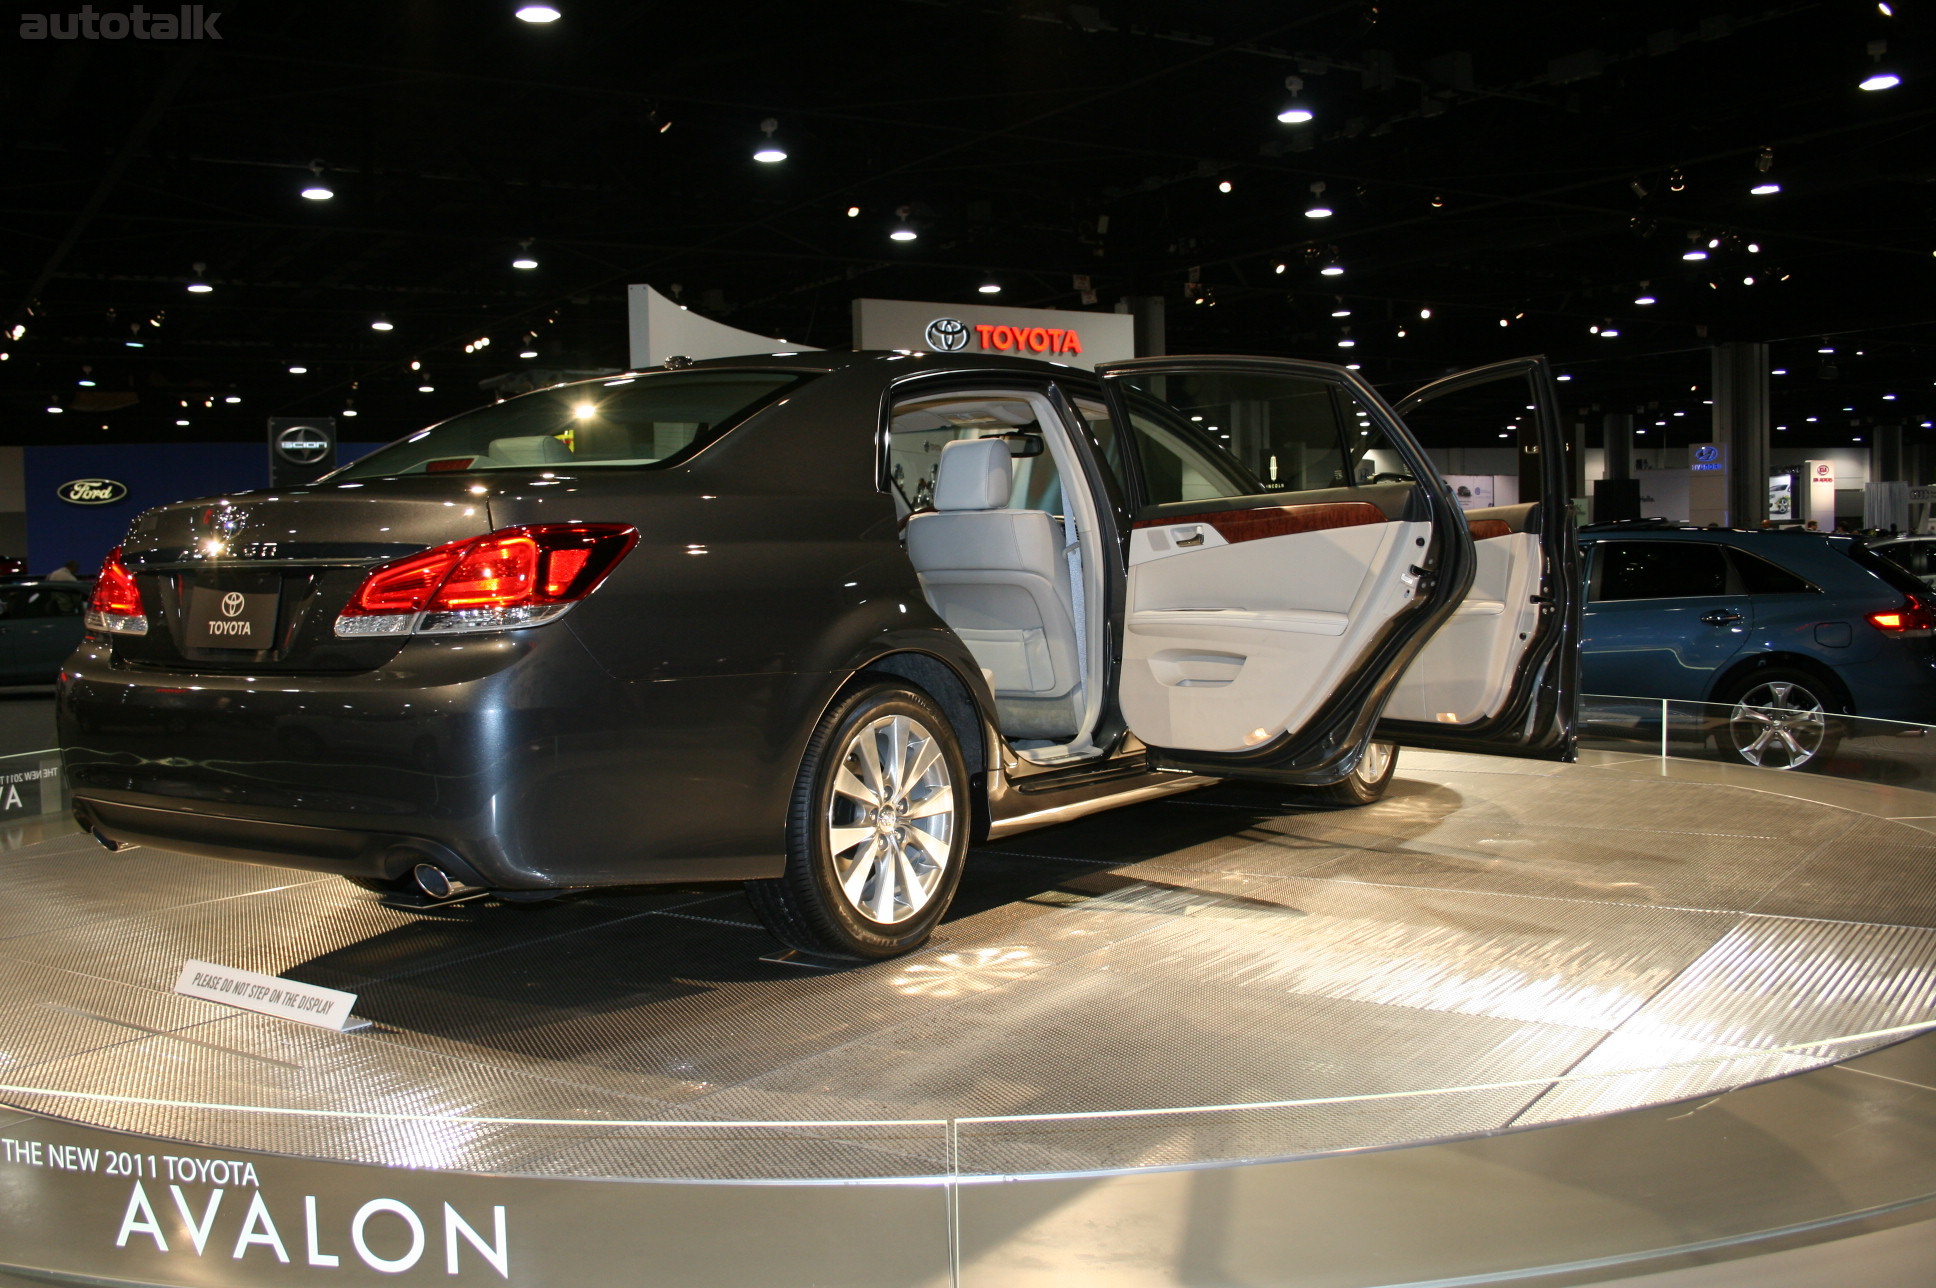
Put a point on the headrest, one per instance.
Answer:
(973, 475)
(536, 449)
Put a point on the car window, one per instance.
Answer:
(1203, 435)
(653, 420)
(1760, 577)
(919, 428)
(1911, 556)
(1658, 570)
(43, 601)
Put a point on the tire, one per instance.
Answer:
(1366, 783)
(872, 860)
(1780, 719)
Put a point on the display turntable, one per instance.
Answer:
(1213, 996)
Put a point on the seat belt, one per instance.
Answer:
(1072, 551)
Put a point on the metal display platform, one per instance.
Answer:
(1214, 985)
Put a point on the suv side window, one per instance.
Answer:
(1760, 577)
(1658, 570)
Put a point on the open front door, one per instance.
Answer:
(1291, 551)
(1501, 675)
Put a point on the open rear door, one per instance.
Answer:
(1501, 675)
(1291, 552)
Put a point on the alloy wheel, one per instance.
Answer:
(891, 819)
(1778, 724)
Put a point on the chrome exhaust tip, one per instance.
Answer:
(437, 883)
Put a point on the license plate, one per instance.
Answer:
(231, 619)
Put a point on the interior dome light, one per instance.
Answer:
(769, 150)
(538, 13)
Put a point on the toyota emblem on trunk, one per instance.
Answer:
(232, 604)
(948, 335)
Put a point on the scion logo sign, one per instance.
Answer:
(303, 444)
(947, 335)
(91, 491)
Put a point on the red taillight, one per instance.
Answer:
(1912, 615)
(115, 604)
(513, 577)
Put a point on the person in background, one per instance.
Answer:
(69, 571)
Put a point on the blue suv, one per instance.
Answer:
(1786, 628)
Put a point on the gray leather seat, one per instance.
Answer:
(533, 449)
(1000, 578)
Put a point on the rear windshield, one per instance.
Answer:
(640, 422)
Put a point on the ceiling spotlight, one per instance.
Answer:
(1347, 343)
(538, 13)
(1225, 186)
(232, 399)
(1296, 111)
(1696, 253)
(299, 371)
(524, 259)
(1279, 266)
(317, 189)
(1766, 188)
(85, 383)
(382, 324)
(182, 423)
(1424, 314)
(1643, 299)
(426, 389)
(990, 286)
(55, 411)
(853, 212)
(902, 233)
(528, 353)
(1608, 333)
(1562, 377)
(1318, 209)
(769, 149)
(1880, 80)
(196, 286)
(1341, 312)
(134, 344)
(349, 411)
(1333, 269)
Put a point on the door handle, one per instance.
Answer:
(1721, 617)
(1194, 539)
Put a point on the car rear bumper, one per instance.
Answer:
(514, 761)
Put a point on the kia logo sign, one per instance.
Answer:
(91, 491)
(302, 444)
(947, 335)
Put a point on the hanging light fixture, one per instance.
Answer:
(1882, 77)
(903, 230)
(317, 190)
(1296, 111)
(769, 149)
(538, 13)
(381, 323)
(1319, 208)
(989, 286)
(196, 286)
(524, 259)
(1332, 269)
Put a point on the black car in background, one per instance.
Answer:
(816, 622)
(40, 626)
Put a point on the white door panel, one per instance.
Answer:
(1465, 673)
(1227, 645)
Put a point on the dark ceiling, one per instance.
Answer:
(1540, 166)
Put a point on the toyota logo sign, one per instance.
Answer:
(232, 604)
(302, 444)
(948, 335)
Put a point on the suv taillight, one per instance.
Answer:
(505, 579)
(1913, 617)
(115, 604)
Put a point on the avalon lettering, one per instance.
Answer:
(378, 1222)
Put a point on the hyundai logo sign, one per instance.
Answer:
(91, 491)
(303, 444)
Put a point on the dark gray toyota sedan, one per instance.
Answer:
(817, 623)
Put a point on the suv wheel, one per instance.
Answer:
(877, 832)
(1780, 719)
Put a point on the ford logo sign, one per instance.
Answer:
(302, 444)
(91, 491)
